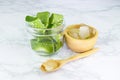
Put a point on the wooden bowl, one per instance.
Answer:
(80, 45)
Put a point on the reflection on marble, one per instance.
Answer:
(19, 62)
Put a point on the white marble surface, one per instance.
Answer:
(19, 62)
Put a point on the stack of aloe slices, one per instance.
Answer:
(41, 22)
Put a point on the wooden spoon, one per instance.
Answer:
(53, 65)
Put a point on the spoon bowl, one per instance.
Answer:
(51, 65)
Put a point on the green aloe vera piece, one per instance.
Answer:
(34, 22)
(44, 17)
(30, 18)
(43, 44)
(58, 45)
(58, 42)
(55, 20)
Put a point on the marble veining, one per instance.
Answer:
(19, 62)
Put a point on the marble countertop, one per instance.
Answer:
(19, 62)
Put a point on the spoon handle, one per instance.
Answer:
(81, 55)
